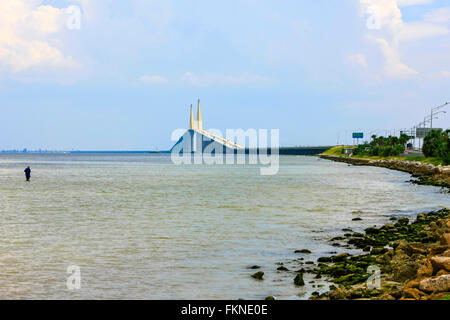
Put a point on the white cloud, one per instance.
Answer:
(25, 36)
(441, 15)
(388, 30)
(393, 67)
(207, 79)
(153, 79)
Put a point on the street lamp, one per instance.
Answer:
(433, 113)
(434, 117)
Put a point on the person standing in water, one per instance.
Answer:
(27, 173)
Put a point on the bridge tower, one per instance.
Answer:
(191, 120)
(199, 117)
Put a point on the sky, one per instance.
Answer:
(121, 74)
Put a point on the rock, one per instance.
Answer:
(412, 284)
(439, 284)
(446, 253)
(439, 263)
(403, 247)
(405, 271)
(324, 259)
(438, 250)
(395, 244)
(340, 257)
(298, 280)
(397, 294)
(426, 270)
(433, 225)
(441, 273)
(445, 239)
(356, 219)
(338, 294)
(384, 258)
(336, 244)
(254, 267)
(269, 298)
(302, 251)
(391, 285)
(385, 296)
(358, 235)
(403, 221)
(372, 230)
(258, 275)
(418, 247)
(413, 293)
(356, 293)
(377, 251)
(440, 296)
(282, 268)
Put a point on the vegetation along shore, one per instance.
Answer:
(412, 259)
(426, 173)
(433, 168)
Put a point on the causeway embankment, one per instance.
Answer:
(426, 174)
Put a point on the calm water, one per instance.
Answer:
(142, 228)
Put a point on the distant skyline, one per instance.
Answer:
(124, 78)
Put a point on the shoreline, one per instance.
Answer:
(427, 174)
(413, 261)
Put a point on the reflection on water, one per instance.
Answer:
(140, 227)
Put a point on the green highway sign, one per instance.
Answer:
(358, 135)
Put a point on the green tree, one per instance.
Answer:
(444, 150)
(432, 143)
(404, 138)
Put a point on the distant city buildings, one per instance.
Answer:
(25, 150)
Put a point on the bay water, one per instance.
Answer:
(139, 227)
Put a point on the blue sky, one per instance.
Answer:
(126, 77)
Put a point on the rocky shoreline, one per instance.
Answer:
(413, 261)
(401, 260)
(426, 174)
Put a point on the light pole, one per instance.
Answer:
(433, 116)
(433, 112)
